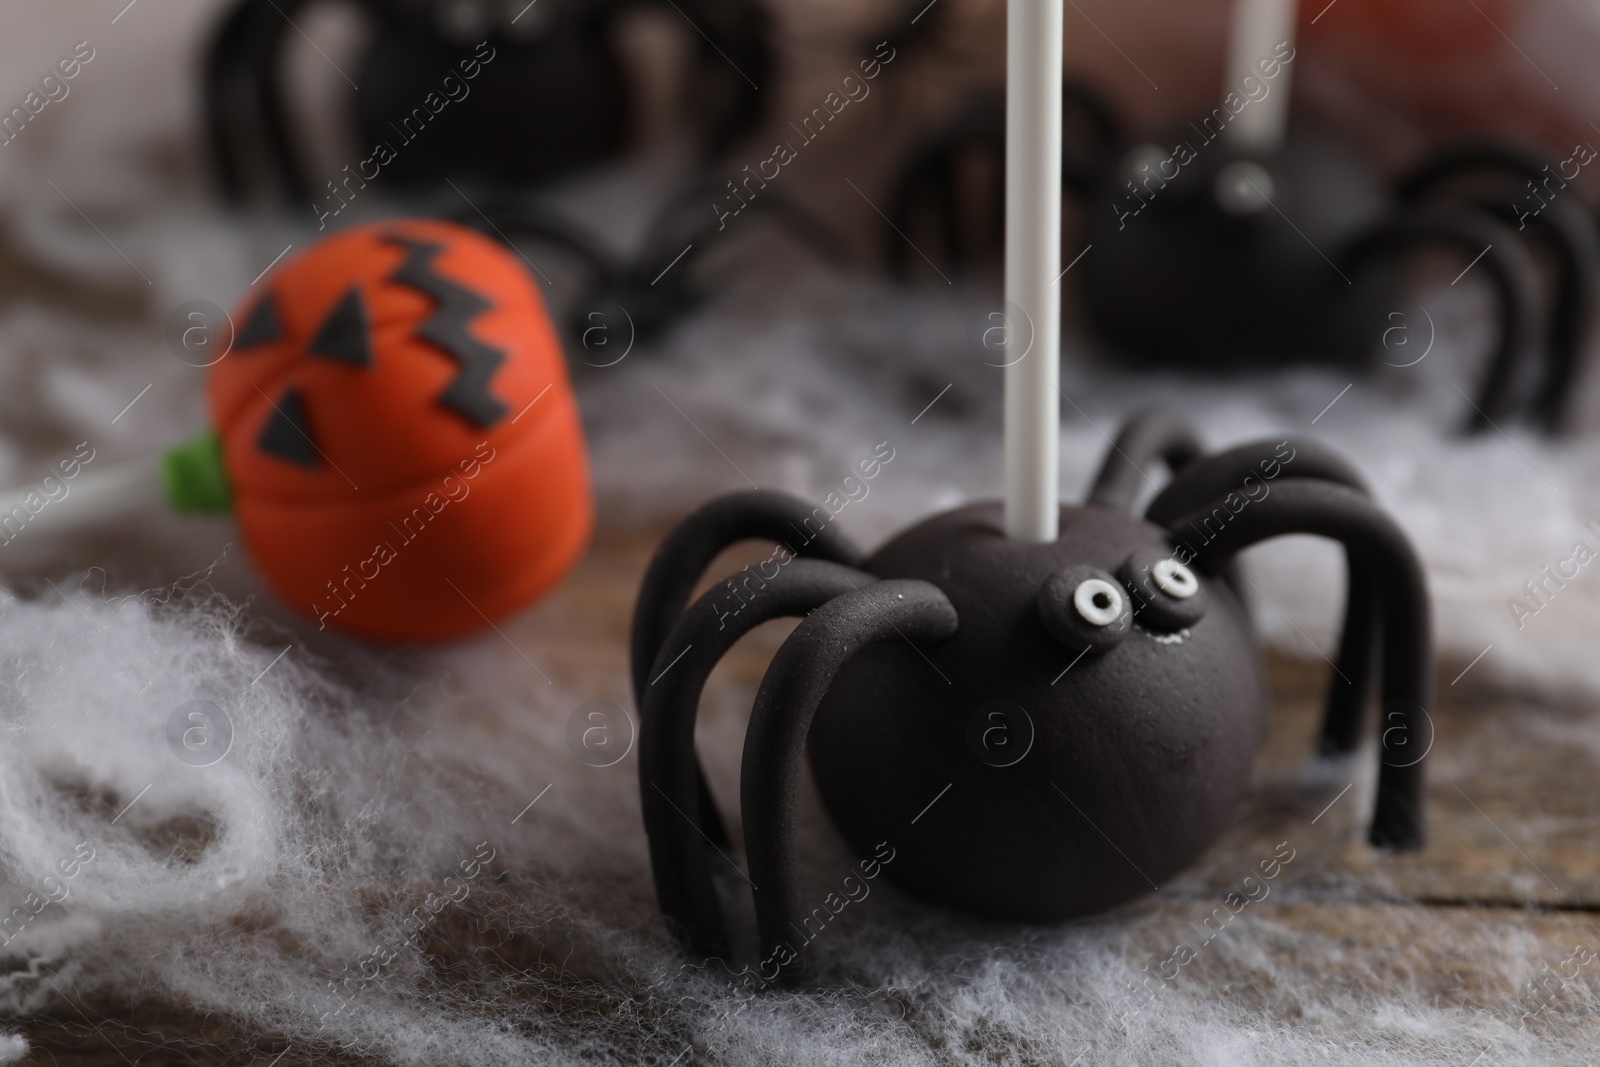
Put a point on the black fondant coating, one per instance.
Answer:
(895, 612)
(1562, 226)
(1024, 730)
(1306, 506)
(1208, 256)
(685, 554)
(1187, 281)
(1507, 264)
(1140, 756)
(1147, 435)
(1249, 473)
(1060, 615)
(669, 789)
(552, 92)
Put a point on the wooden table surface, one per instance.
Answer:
(1514, 848)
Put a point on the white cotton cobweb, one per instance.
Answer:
(362, 871)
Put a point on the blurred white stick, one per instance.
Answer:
(95, 499)
(1259, 27)
(1032, 261)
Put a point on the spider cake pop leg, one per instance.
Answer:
(684, 556)
(1147, 436)
(227, 97)
(1510, 268)
(929, 174)
(286, 153)
(1155, 434)
(672, 794)
(1086, 157)
(758, 515)
(251, 41)
(1216, 477)
(1150, 435)
(659, 284)
(775, 742)
(1563, 225)
(1572, 316)
(1312, 507)
(741, 29)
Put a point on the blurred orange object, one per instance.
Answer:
(1416, 30)
(1399, 77)
(1452, 68)
(403, 445)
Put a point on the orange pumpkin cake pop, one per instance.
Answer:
(398, 435)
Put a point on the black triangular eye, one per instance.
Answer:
(286, 434)
(262, 326)
(342, 337)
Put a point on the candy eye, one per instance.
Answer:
(1174, 579)
(1166, 594)
(1083, 607)
(1098, 602)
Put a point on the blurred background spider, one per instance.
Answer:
(620, 298)
(559, 94)
(1202, 253)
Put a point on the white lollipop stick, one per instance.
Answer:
(1033, 259)
(1259, 27)
(37, 516)
(96, 499)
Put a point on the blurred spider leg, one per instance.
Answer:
(1146, 437)
(1511, 270)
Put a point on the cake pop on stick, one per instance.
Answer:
(1022, 710)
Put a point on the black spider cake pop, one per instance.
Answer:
(1117, 658)
(550, 85)
(1213, 251)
